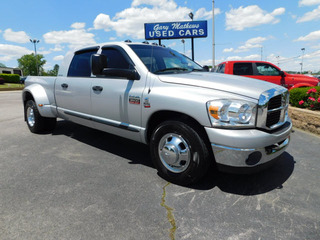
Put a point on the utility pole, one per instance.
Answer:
(35, 41)
(302, 49)
(213, 45)
(192, 40)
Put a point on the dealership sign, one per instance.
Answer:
(171, 30)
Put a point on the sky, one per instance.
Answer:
(273, 30)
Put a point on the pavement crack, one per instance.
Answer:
(170, 215)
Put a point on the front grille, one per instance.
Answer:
(274, 113)
(273, 118)
(273, 108)
(275, 102)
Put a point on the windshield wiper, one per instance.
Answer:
(198, 70)
(171, 69)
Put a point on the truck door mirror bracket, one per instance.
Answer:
(130, 74)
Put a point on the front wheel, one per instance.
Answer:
(36, 123)
(179, 153)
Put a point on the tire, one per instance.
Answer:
(179, 153)
(36, 123)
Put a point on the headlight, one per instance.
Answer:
(232, 113)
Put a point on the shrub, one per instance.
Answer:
(10, 78)
(308, 97)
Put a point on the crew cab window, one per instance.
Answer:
(242, 69)
(80, 65)
(267, 70)
(115, 59)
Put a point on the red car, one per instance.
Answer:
(268, 72)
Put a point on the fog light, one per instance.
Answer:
(253, 158)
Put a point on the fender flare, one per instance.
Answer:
(299, 85)
(37, 93)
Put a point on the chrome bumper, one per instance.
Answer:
(248, 148)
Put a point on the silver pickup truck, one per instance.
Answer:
(191, 119)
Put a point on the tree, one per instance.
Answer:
(2, 65)
(28, 63)
(54, 71)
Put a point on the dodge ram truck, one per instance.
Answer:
(268, 72)
(190, 118)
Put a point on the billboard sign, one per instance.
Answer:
(173, 30)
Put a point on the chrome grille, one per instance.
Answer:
(273, 108)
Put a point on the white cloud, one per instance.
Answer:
(313, 36)
(309, 16)
(251, 16)
(17, 37)
(251, 43)
(202, 13)
(58, 58)
(57, 48)
(228, 50)
(308, 2)
(78, 25)
(75, 38)
(130, 22)
(10, 52)
(250, 57)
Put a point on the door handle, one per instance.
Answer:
(64, 85)
(97, 88)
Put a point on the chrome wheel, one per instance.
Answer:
(30, 117)
(174, 152)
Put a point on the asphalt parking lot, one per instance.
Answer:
(79, 183)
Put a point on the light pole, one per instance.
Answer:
(213, 45)
(302, 49)
(192, 42)
(184, 48)
(35, 41)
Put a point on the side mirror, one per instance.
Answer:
(99, 67)
(282, 74)
(98, 63)
(205, 68)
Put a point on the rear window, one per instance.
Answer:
(80, 65)
(242, 69)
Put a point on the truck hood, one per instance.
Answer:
(248, 87)
(303, 77)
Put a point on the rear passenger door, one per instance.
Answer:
(73, 93)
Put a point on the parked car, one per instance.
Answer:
(22, 80)
(268, 72)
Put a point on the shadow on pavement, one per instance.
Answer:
(251, 184)
(138, 153)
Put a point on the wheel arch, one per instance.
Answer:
(38, 94)
(161, 116)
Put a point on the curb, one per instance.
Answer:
(305, 119)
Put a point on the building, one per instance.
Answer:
(8, 70)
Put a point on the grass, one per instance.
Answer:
(11, 86)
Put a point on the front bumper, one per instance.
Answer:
(248, 148)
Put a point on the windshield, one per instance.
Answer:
(160, 60)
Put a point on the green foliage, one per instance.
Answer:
(28, 63)
(10, 78)
(53, 72)
(301, 94)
